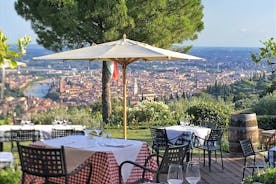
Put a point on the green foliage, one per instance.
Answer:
(10, 176)
(206, 109)
(78, 23)
(265, 105)
(179, 109)
(266, 177)
(3, 121)
(53, 95)
(8, 56)
(79, 116)
(266, 122)
(246, 92)
(150, 113)
(244, 103)
(266, 53)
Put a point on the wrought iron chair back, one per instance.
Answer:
(21, 136)
(61, 132)
(212, 143)
(187, 138)
(248, 151)
(172, 155)
(247, 148)
(159, 139)
(47, 163)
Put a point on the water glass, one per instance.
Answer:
(193, 172)
(175, 174)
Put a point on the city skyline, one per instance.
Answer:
(227, 23)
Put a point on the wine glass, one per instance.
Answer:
(98, 131)
(175, 174)
(97, 127)
(193, 172)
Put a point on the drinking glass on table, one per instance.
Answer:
(193, 172)
(175, 174)
(97, 127)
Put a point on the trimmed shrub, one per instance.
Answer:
(210, 112)
(266, 122)
(266, 105)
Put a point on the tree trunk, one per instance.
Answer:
(106, 94)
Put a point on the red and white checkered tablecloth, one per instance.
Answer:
(105, 169)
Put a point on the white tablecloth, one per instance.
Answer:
(6, 159)
(175, 131)
(121, 149)
(45, 130)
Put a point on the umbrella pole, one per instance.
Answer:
(124, 66)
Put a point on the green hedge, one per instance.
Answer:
(266, 177)
(266, 122)
(10, 176)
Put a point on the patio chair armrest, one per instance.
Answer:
(150, 157)
(137, 165)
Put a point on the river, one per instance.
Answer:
(38, 90)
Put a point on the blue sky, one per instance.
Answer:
(242, 23)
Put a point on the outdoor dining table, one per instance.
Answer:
(177, 130)
(105, 154)
(45, 130)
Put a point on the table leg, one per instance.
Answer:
(1, 146)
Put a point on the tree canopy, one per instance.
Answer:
(62, 24)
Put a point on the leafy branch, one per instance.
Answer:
(8, 56)
(267, 53)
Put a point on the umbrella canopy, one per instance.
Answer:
(124, 52)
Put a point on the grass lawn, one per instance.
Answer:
(137, 134)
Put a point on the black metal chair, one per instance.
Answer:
(21, 135)
(211, 143)
(50, 163)
(248, 151)
(172, 155)
(187, 138)
(160, 141)
(61, 132)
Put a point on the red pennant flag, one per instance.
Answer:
(115, 74)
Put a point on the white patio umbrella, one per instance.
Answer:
(124, 52)
(5, 65)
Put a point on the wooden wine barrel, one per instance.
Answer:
(242, 126)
